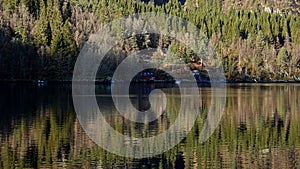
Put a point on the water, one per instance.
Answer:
(260, 128)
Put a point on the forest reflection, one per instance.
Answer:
(259, 129)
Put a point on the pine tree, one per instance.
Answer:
(282, 57)
(21, 32)
(42, 29)
(69, 44)
(56, 30)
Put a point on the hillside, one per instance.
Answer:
(278, 6)
(41, 39)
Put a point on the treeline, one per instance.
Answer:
(40, 39)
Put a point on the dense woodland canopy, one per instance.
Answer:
(40, 39)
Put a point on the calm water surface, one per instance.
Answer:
(260, 128)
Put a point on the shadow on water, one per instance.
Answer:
(259, 129)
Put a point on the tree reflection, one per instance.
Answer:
(259, 129)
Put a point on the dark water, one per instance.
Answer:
(260, 128)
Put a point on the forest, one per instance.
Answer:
(41, 39)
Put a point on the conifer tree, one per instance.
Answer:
(42, 29)
(69, 45)
(56, 30)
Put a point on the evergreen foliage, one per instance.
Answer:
(59, 28)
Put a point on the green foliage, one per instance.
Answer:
(69, 43)
(42, 29)
(54, 23)
(282, 57)
(20, 30)
(11, 5)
